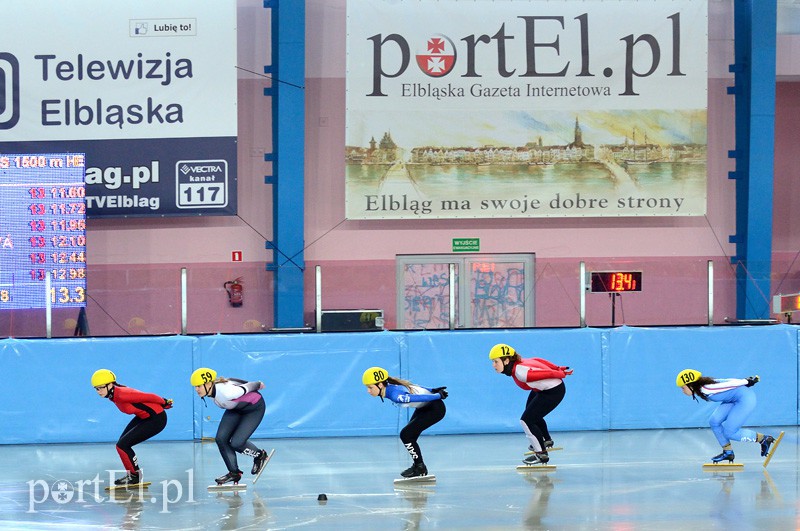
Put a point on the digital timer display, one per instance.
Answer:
(615, 281)
(786, 303)
(790, 304)
(42, 230)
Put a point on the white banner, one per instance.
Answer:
(146, 89)
(90, 69)
(510, 108)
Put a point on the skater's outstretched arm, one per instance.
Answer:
(724, 384)
(534, 369)
(133, 396)
(398, 394)
(248, 386)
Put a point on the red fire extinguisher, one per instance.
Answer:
(235, 291)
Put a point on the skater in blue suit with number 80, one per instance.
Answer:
(736, 402)
(428, 404)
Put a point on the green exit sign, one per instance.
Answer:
(466, 245)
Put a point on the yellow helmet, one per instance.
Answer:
(103, 377)
(501, 350)
(687, 376)
(202, 376)
(374, 375)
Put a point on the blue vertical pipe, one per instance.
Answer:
(754, 88)
(288, 158)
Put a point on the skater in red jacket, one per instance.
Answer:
(149, 420)
(545, 381)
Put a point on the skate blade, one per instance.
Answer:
(549, 450)
(227, 487)
(728, 467)
(419, 480)
(269, 456)
(536, 468)
(772, 449)
(143, 485)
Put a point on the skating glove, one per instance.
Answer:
(752, 380)
(441, 391)
(167, 403)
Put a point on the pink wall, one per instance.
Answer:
(675, 291)
(672, 252)
(145, 299)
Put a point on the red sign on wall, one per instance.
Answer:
(236, 256)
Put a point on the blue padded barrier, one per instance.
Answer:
(313, 381)
(483, 401)
(643, 364)
(50, 398)
(624, 378)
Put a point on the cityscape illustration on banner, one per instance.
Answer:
(139, 87)
(526, 109)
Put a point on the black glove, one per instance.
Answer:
(752, 380)
(441, 391)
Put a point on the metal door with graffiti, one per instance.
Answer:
(499, 289)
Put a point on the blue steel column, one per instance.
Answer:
(288, 153)
(754, 89)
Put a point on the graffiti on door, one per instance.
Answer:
(496, 295)
(426, 290)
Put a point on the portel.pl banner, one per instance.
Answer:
(513, 108)
(146, 89)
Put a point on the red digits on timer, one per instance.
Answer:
(622, 282)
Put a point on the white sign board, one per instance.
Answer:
(147, 89)
(513, 108)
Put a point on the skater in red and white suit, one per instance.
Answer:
(545, 381)
(149, 420)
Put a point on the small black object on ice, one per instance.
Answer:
(322, 498)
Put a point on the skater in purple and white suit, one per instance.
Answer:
(244, 408)
(736, 402)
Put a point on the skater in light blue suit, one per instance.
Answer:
(736, 402)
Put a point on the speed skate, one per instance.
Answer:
(242, 486)
(536, 468)
(772, 450)
(727, 467)
(227, 487)
(416, 480)
(269, 456)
